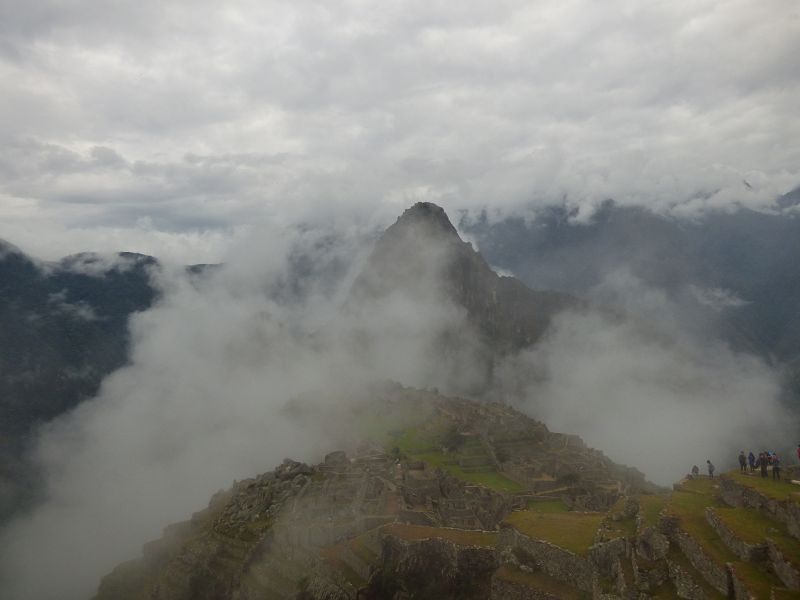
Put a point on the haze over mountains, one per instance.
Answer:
(217, 357)
(729, 275)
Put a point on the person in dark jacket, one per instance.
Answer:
(762, 461)
(711, 469)
(776, 467)
(751, 458)
(742, 462)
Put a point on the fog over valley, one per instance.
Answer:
(524, 264)
(217, 358)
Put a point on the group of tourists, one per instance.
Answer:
(749, 463)
(764, 460)
(709, 465)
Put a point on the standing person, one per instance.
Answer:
(751, 458)
(695, 471)
(742, 462)
(710, 469)
(798, 452)
(762, 461)
(776, 467)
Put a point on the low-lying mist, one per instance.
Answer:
(659, 404)
(216, 360)
(200, 404)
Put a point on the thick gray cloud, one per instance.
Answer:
(168, 127)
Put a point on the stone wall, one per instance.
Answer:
(787, 573)
(502, 589)
(739, 591)
(735, 494)
(539, 555)
(716, 575)
(436, 568)
(745, 551)
(685, 586)
(651, 544)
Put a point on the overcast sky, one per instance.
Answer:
(172, 127)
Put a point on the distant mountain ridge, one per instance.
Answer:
(63, 328)
(734, 274)
(423, 250)
(64, 325)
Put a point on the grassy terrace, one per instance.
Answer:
(689, 505)
(650, 507)
(425, 444)
(547, 506)
(542, 582)
(758, 581)
(676, 556)
(572, 531)
(780, 490)
(623, 526)
(462, 537)
(752, 526)
(353, 578)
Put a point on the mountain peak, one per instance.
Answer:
(422, 255)
(426, 215)
(7, 248)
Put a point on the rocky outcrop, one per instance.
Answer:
(651, 544)
(434, 568)
(219, 548)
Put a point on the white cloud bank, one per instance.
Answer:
(199, 118)
(659, 403)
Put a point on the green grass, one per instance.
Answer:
(418, 443)
(572, 531)
(622, 528)
(690, 506)
(756, 579)
(780, 490)
(753, 527)
(462, 537)
(547, 506)
(380, 427)
(415, 441)
(700, 485)
(650, 507)
(676, 556)
(362, 551)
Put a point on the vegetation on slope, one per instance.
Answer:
(572, 531)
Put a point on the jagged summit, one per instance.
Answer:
(8, 250)
(427, 215)
(422, 255)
